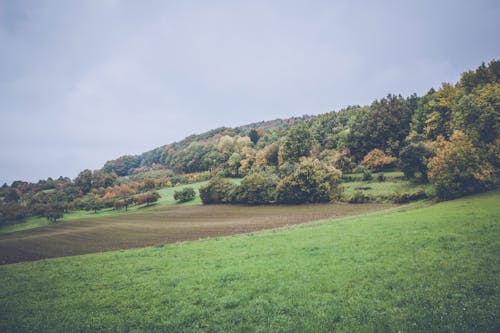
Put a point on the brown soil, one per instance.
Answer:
(160, 225)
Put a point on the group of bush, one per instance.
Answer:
(309, 181)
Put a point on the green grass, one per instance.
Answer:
(385, 188)
(167, 198)
(418, 268)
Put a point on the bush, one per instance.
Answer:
(457, 169)
(312, 181)
(147, 198)
(184, 195)
(257, 188)
(367, 175)
(378, 160)
(217, 190)
(406, 197)
(381, 177)
(359, 197)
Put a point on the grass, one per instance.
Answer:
(388, 187)
(420, 268)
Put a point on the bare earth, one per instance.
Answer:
(161, 225)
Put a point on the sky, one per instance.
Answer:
(83, 82)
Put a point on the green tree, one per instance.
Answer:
(311, 181)
(185, 195)
(298, 143)
(217, 190)
(254, 136)
(84, 181)
(256, 189)
(413, 159)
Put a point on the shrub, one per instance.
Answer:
(311, 181)
(457, 168)
(405, 197)
(257, 188)
(367, 175)
(217, 190)
(381, 177)
(147, 198)
(378, 160)
(184, 195)
(359, 197)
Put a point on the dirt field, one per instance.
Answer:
(160, 225)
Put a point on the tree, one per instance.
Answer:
(298, 143)
(254, 136)
(53, 212)
(185, 195)
(457, 168)
(84, 181)
(414, 158)
(378, 160)
(311, 181)
(256, 189)
(217, 190)
(147, 198)
(384, 126)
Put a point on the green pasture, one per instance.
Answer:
(416, 268)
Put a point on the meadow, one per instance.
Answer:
(417, 268)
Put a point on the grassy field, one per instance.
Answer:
(418, 268)
(159, 225)
(388, 187)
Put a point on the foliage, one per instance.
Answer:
(359, 197)
(298, 143)
(311, 181)
(147, 198)
(256, 189)
(217, 190)
(414, 157)
(405, 197)
(457, 168)
(185, 195)
(378, 160)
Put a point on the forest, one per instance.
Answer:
(448, 138)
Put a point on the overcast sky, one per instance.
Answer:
(82, 82)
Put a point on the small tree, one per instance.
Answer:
(457, 168)
(257, 188)
(217, 190)
(378, 160)
(147, 198)
(185, 195)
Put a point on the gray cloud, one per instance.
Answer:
(84, 82)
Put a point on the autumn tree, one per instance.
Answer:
(457, 168)
(378, 160)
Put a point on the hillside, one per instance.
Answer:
(447, 139)
(416, 269)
